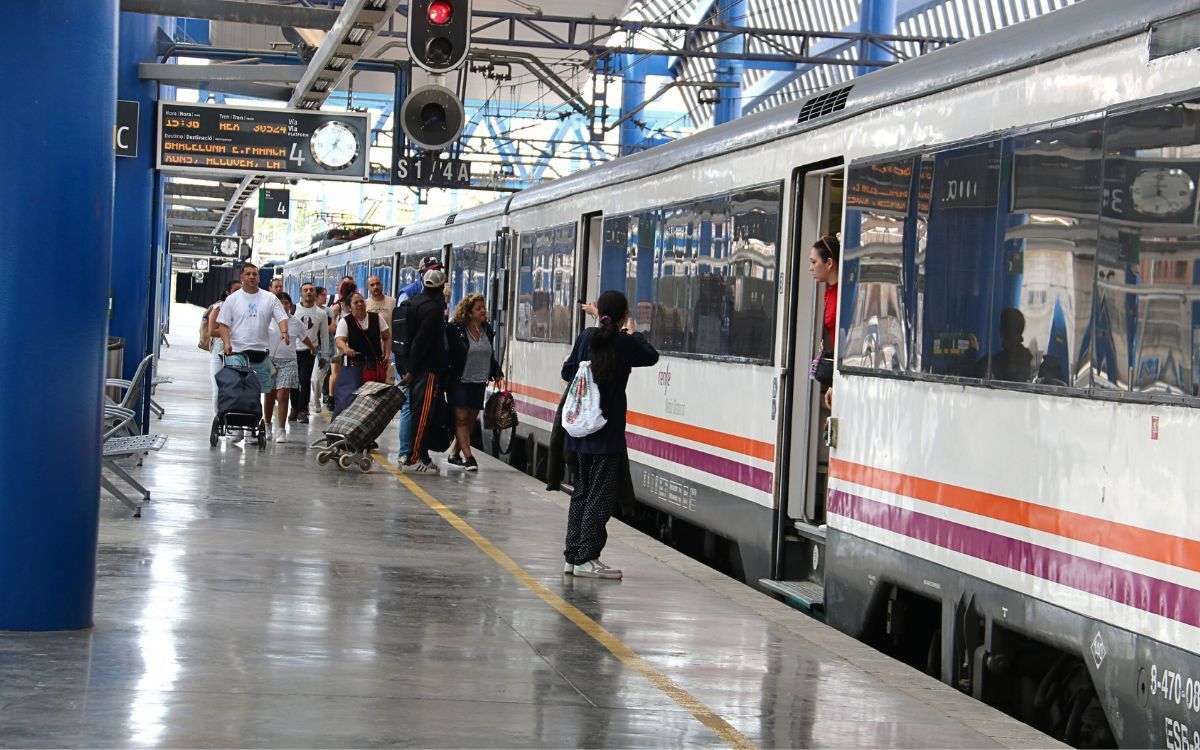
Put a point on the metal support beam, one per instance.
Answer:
(596, 36)
(876, 17)
(265, 14)
(633, 96)
(200, 191)
(539, 68)
(728, 74)
(176, 75)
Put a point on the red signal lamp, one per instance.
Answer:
(440, 12)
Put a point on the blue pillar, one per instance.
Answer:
(134, 249)
(55, 228)
(875, 17)
(729, 98)
(633, 93)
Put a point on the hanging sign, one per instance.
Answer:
(214, 138)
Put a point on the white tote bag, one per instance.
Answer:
(581, 414)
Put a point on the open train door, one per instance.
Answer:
(802, 463)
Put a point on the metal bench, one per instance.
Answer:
(155, 407)
(127, 447)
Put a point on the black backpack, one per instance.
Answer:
(403, 328)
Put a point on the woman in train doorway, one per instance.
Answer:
(339, 310)
(362, 340)
(472, 364)
(613, 347)
(823, 264)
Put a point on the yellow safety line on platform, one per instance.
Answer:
(691, 703)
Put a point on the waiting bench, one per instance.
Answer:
(128, 446)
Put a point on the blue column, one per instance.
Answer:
(134, 249)
(55, 228)
(633, 93)
(875, 17)
(729, 99)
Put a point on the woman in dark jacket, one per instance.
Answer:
(613, 347)
(472, 357)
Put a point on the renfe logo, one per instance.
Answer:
(664, 378)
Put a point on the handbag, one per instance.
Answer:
(500, 411)
(582, 415)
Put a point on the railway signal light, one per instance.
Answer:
(432, 117)
(439, 33)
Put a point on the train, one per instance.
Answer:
(1000, 495)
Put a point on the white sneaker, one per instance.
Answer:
(281, 436)
(568, 568)
(270, 435)
(239, 437)
(596, 569)
(420, 467)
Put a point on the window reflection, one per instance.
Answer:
(468, 273)
(700, 276)
(546, 284)
(1147, 306)
(876, 328)
(1049, 258)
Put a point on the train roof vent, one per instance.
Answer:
(450, 219)
(824, 104)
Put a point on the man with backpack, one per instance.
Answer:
(401, 338)
(425, 325)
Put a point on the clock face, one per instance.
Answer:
(334, 145)
(1162, 191)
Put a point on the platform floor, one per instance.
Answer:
(263, 601)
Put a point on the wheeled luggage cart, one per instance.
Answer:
(351, 436)
(238, 406)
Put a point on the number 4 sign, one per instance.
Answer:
(274, 203)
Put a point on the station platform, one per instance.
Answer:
(265, 601)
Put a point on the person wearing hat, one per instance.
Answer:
(406, 292)
(427, 361)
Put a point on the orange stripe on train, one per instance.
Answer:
(745, 446)
(1118, 537)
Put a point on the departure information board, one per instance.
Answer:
(214, 138)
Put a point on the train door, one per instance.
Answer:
(803, 458)
(498, 293)
(592, 226)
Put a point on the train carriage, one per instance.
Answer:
(1001, 493)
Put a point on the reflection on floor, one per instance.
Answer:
(265, 601)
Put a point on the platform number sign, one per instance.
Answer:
(429, 172)
(274, 203)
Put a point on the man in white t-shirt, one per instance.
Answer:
(245, 320)
(315, 325)
(378, 302)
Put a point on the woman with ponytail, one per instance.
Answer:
(613, 347)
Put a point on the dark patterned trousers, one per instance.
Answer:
(592, 504)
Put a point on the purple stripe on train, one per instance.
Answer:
(759, 479)
(1163, 598)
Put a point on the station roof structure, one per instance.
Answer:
(544, 81)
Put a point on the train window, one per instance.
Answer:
(700, 276)
(958, 327)
(1146, 332)
(468, 271)
(1046, 269)
(546, 285)
(883, 264)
